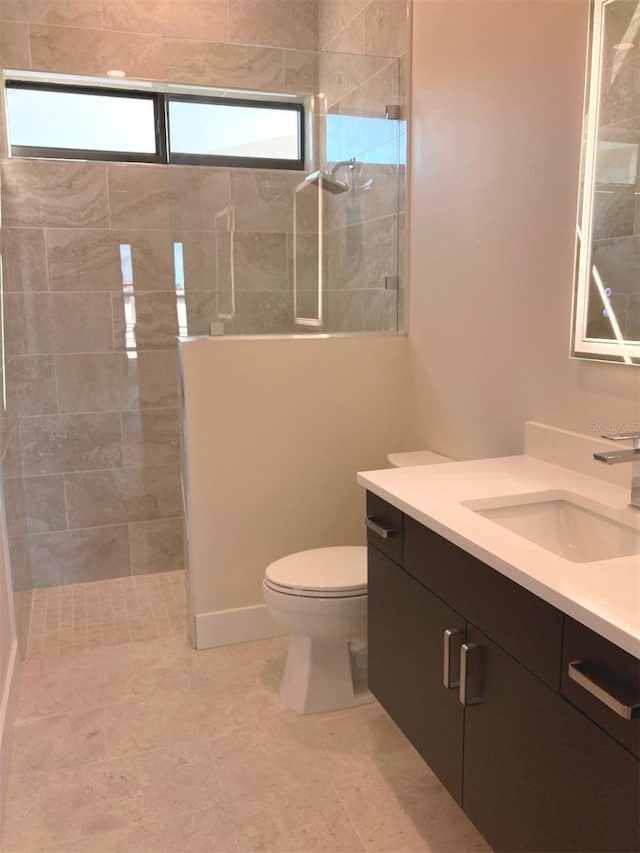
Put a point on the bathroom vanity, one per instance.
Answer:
(513, 670)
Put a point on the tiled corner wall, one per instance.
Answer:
(92, 461)
(363, 66)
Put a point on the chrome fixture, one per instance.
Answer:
(328, 180)
(628, 455)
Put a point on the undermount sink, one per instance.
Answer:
(568, 525)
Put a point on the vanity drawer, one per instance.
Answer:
(597, 674)
(526, 627)
(385, 527)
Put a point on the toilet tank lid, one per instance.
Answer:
(343, 567)
(417, 457)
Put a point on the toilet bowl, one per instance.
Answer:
(320, 597)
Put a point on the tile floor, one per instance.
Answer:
(152, 746)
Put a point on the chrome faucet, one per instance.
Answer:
(631, 454)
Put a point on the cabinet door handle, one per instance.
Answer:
(585, 674)
(470, 675)
(385, 532)
(451, 679)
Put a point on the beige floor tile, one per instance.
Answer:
(63, 740)
(209, 831)
(96, 800)
(88, 686)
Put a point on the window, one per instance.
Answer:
(98, 123)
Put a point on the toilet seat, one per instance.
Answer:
(339, 572)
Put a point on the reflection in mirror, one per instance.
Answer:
(606, 323)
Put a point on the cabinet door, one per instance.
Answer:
(538, 775)
(406, 666)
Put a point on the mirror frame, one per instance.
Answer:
(617, 349)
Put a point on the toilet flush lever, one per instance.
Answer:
(384, 532)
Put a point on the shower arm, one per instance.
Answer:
(350, 163)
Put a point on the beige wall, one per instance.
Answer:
(276, 429)
(497, 110)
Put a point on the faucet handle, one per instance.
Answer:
(624, 436)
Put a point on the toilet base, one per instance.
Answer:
(318, 676)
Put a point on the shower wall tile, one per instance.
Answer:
(157, 546)
(198, 258)
(260, 261)
(382, 194)
(19, 560)
(213, 64)
(263, 313)
(201, 310)
(151, 437)
(78, 556)
(196, 195)
(72, 13)
(345, 311)
(113, 381)
(15, 506)
(123, 495)
(156, 324)
(51, 194)
(60, 49)
(335, 15)
(14, 322)
(24, 257)
(36, 387)
(378, 86)
(385, 23)
(381, 310)
(283, 23)
(45, 503)
(350, 39)
(195, 19)
(90, 259)
(14, 46)
(368, 253)
(67, 322)
(138, 196)
(262, 199)
(53, 444)
(301, 71)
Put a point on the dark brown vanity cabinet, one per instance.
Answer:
(533, 769)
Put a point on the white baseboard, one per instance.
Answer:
(8, 705)
(239, 625)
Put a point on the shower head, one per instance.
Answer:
(326, 181)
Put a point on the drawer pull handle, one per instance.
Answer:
(470, 675)
(384, 532)
(584, 674)
(449, 679)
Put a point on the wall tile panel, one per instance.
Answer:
(80, 442)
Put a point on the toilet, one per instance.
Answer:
(320, 597)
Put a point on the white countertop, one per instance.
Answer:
(603, 595)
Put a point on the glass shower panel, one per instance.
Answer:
(363, 147)
(225, 269)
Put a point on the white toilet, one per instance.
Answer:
(320, 596)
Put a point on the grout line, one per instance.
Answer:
(349, 818)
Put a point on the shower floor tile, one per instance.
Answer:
(85, 616)
(152, 746)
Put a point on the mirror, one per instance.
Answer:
(606, 321)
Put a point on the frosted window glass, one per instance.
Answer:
(80, 121)
(233, 131)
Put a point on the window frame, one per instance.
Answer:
(48, 153)
(229, 160)
(162, 130)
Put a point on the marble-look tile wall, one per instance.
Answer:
(93, 298)
(362, 68)
(91, 450)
